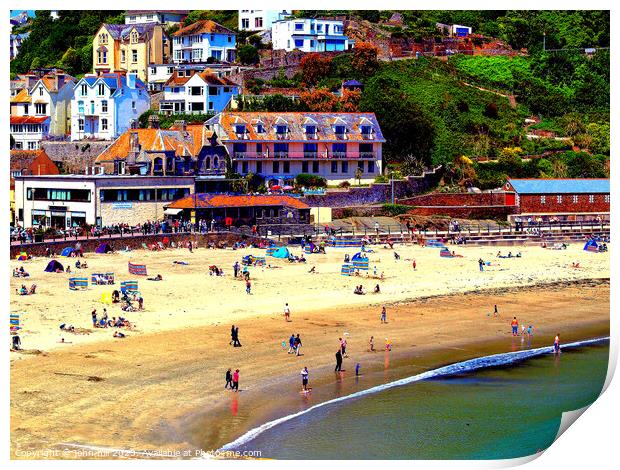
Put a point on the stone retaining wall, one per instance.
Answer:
(74, 157)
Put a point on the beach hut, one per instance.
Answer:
(23, 256)
(76, 283)
(136, 269)
(103, 248)
(53, 266)
(591, 245)
(281, 252)
(67, 251)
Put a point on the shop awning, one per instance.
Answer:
(172, 211)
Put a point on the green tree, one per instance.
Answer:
(247, 54)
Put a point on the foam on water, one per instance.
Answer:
(494, 360)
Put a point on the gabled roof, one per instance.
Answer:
(22, 97)
(22, 160)
(49, 82)
(207, 76)
(121, 31)
(560, 186)
(203, 26)
(296, 125)
(113, 80)
(220, 201)
(156, 140)
(173, 12)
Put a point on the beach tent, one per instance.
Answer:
(591, 245)
(136, 269)
(23, 256)
(53, 265)
(359, 257)
(67, 251)
(103, 248)
(281, 252)
(445, 253)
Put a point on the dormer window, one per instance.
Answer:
(340, 131)
(281, 130)
(240, 130)
(367, 132)
(310, 131)
(101, 89)
(260, 129)
(134, 37)
(84, 90)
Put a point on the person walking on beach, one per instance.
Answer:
(556, 344)
(287, 313)
(515, 326)
(229, 380)
(248, 286)
(232, 334)
(495, 312)
(338, 361)
(371, 344)
(529, 331)
(383, 315)
(94, 316)
(414, 264)
(236, 268)
(235, 380)
(298, 345)
(481, 264)
(304, 379)
(343, 347)
(291, 344)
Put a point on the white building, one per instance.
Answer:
(454, 30)
(204, 40)
(260, 20)
(309, 35)
(169, 17)
(64, 201)
(52, 96)
(197, 92)
(103, 107)
(159, 74)
(16, 43)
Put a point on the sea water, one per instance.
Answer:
(498, 407)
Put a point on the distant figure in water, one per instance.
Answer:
(357, 368)
(371, 343)
(556, 344)
(495, 312)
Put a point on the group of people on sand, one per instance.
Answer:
(20, 272)
(232, 380)
(105, 322)
(234, 336)
(80, 265)
(294, 344)
(509, 255)
(23, 290)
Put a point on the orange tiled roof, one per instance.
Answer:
(203, 26)
(220, 201)
(22, 97)
(325, 126)
(28, 119)
(49, 81)
(22, 160)
(155, 140)
(207, 75)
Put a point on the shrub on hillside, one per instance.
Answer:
(312, 181)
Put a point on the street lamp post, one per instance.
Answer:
(392, 184)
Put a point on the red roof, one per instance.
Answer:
(217, 201)
(28, 119)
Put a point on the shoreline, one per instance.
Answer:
(185, 398)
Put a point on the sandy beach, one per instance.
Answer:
(162, 386)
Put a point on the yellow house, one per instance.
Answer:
(130, 48)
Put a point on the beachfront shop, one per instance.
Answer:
(233, 210)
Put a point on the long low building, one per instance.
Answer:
(63, 201)
(240, 210)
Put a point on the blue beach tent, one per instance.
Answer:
(67, 251)
(281, 252)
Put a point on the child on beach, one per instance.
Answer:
(304, 379)
(414, 264)
(343, 347)
(529, 331)
(556, 344)
(248, 286)
(235, 380)
(388, 345)
(515, 326)
(287, 313)
(383, 315)
(371, 343)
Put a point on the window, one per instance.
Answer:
(81, 125)
(53, 194)
(299, 43)
(84, 90)
(259, 167)
(240, 129)
(40, 108)
(123, 56)
(211, 106)
(304, 167)
(286, 167)
(310, 131)
(299, 26)
(340, 131)
(196, 90)
(101, 89)
(591, 198)
(281, 129)
(81, 107)
(153, 70)
(213, 91)
(260, 129)
(104, 106)
(310, 150)
(104, 124)
(244, 167)
(575, 199)
(607, 198)
(134, 37)
(371, 167)
(339, 150)
(133, 105)
(315, 167)
(41, 91)
(312, 43)
(258, 22)
(345, 167)
(543, 199)
(33, 145)
(170, 70)
(366, 131)
(334, 167)
(559, 199)
(134, 56)
(102, 56)
(26, 110)
(229, 38)
(276, 167)
(245, 23)
(280, 150)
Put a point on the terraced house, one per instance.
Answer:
(51, 96)
(203, 40)
(130, 48)
(103, 107)
(27, 129)
(196, 92)
(337, 146)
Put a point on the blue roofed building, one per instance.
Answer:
(105, 106)
(568, 199)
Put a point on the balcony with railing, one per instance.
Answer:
(303, 155)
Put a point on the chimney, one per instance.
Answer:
(31, 79)
(131, 80)
(180, 125)
(134, 148)
(59, 78)
(153, 121)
